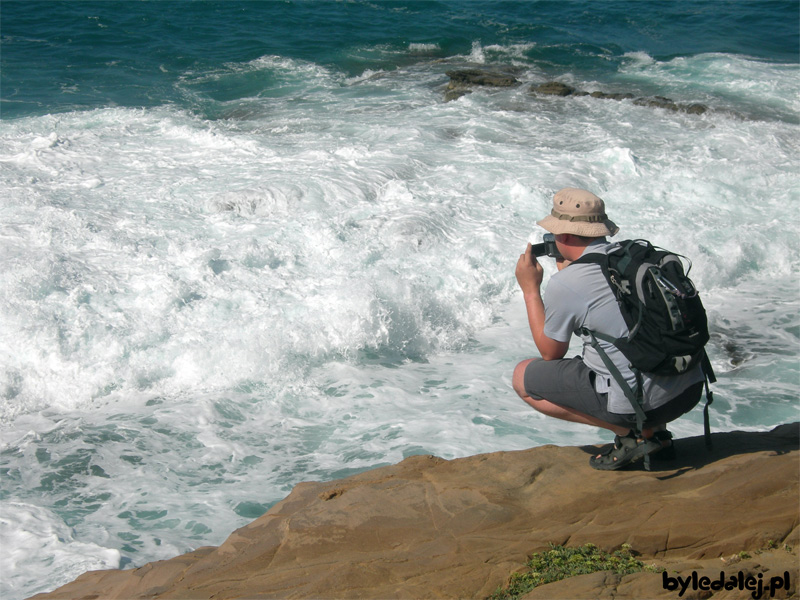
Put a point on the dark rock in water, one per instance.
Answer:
(553, 88)
(661, 102)
(695, 109)
(657, 102)
(556, 88)
(455, 94)
(463, 80)
(605, 96)
(472, 77)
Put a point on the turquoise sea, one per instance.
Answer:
(248, 244)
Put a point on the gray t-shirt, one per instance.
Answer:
(579, 296)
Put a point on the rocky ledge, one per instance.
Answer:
(463, 81)
(434, 528)
(556, 88)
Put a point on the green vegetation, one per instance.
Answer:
(560, 563)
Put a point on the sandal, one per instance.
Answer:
(625, 451)
(667, 451)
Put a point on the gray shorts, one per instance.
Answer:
(569, 383)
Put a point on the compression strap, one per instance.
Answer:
(708, 372)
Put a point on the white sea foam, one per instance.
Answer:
(421, 48)
(757, 88)
(477, 55)
(34, 539)
(197, 314)
(640, 58)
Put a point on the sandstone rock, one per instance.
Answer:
(433, 528)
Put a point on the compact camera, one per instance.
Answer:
(547, 247)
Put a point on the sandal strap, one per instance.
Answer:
(626, 450)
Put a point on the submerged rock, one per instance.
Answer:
(553, 88)
(605, 96)
(433, 528)
(480, 77)
(557, 88)
(463, 80)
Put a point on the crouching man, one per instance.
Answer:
(578, 297)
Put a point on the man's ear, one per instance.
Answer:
(567, 239)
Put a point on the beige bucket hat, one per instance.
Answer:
(578, 212)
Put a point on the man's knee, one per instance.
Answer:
(518, 379)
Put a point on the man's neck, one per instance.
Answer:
(576, 246)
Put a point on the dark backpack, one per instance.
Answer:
(667, 324)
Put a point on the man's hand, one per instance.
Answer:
(529, 276)
(529, 272)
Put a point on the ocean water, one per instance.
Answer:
(248, 244)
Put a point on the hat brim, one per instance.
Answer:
(582, 228)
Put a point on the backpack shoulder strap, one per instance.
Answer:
(602, 259)
(591, 258)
